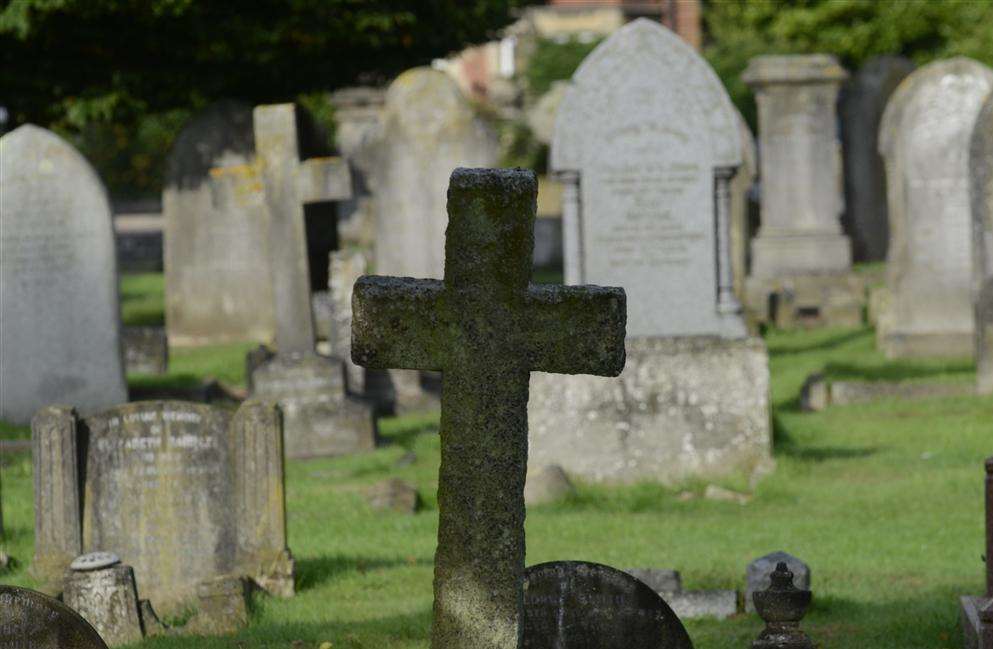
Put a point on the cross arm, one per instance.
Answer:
(396, 323)
(576, 329)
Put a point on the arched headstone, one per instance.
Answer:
(60, 329)
(924, 139)
(30, 620)
(580, 605)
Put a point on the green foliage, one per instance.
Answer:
(852, 30)
(554, 61)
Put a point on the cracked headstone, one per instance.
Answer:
(30, 620)
(485, 327)
(924, 139)
(60, 322)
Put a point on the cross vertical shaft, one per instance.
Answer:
(485, 327)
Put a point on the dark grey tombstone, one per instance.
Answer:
(758, 574)
(179, 491)
(146, 350)
(860, 107)
(30, 620)
(579, 605)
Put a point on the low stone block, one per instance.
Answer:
(146, 350)
(103, 592)
(758, 574)
(660, 580)
(683, 408)
(223, 606)
(547, 485)
(393, 495)
(818, 392)
(836, 300)
(319, 419)
(696, 604)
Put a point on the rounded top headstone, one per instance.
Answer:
(584, 605)
(30, 619)
(793, 68)
(426, 102)
(94, 561)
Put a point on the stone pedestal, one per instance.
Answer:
(222, 606)
(694, 407)
(807, 300)
(319, 418)
(105, 595)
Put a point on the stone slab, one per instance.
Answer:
(60, 329)
(925, 141)
(319, 418)
(819, 393)
(591, 606)
(30, 620)
(699, 604)
(832, 300)
(107, 598)
(683, 408)
(146, 350)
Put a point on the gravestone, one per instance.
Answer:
(485, 327)
(924, 139)
(860, 107)
(146, 350)
(102, 590)
(647, 142)
(204, 488)
(358, 114)
(801, 260)
(758, 571)
(582, 605)
(319, 417)
(215, 227)
(981, 191)
(977, 612)
(60, 329)
(30, 620)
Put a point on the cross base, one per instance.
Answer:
(319, 418)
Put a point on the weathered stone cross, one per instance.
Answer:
(486, 328)
(287, 185)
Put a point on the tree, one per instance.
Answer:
(852, 30)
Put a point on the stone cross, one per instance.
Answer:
(288, 184)
(486, 328)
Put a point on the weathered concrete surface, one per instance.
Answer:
(925, 140)
(60, 325)
(205, 488)
(683, 408)
(819, 393)
(30, 620)
(108, 599)
(485, 327)
(591, 606)
(222, 606)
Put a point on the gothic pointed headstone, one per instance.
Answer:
(485, 327)
(648, 143)
(60, 326)
(924, 139)
(320, 418)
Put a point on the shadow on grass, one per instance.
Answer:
(897, 370)
(783, 348)
(313, 572)
(405, 437)
(783, 445)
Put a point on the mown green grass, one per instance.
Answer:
(883, 500)
(143, 299)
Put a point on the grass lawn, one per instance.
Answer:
(883, 500)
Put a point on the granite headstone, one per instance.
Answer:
(758, 574)
(981, 166)
(216, 255)
(179, 491)
(924, 139)
(579, 605)
(485, 327)
(30, 620)
(647, 143)
(60, 329)
(860, 106)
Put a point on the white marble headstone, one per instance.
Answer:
(60, 330)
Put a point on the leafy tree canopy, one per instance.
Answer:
(852, 30)
(72, 62)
